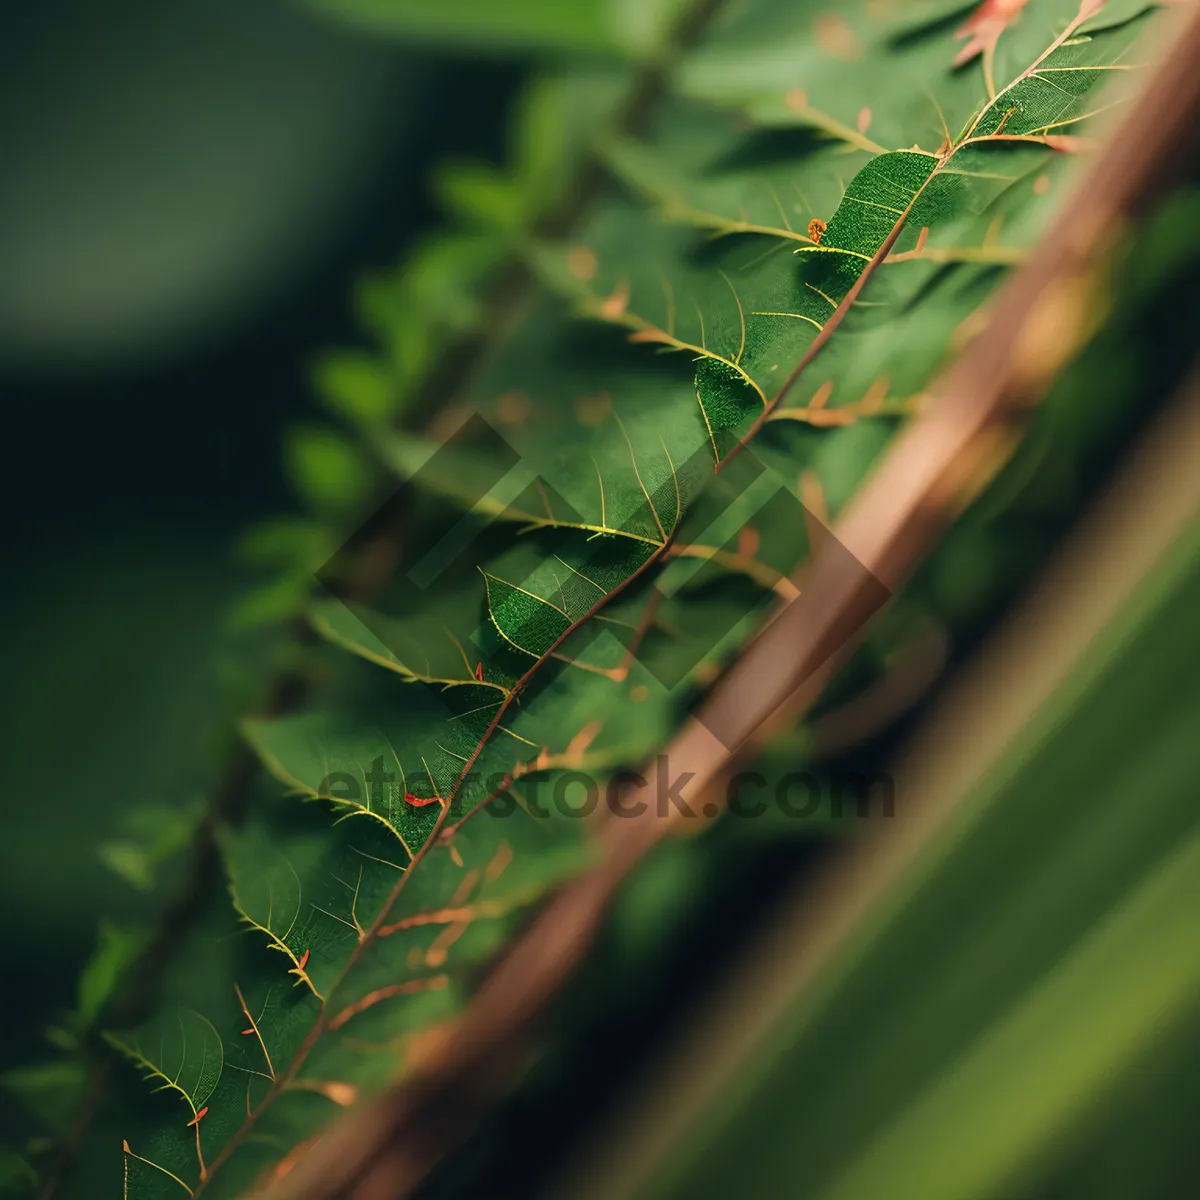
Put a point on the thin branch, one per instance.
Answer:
(389, 1146)
(509, 292)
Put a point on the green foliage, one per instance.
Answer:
(592, 26)
(1036, 961)
(610, 543)
(480, 23)
(179, 1051)
(149, 836)
(326, 469)
(116, 950)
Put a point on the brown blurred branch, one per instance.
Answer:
(1119, 542)
(387, 1147)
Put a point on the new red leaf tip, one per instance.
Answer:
(984, 27)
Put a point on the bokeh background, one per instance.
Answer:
(189, 193)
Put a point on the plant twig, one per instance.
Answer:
(371, 559)
(388, 1147)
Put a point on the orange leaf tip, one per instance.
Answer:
(419, 801)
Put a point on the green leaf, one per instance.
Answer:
(542, 151)
(752, 304)
(480, 195)
(754, 320)
(148, 837)
(480, 24)
(17, 1177)
(180, 1051)
(357, 385)
(327, 469)
(284, 542)
(51, 1091)
(116, 951)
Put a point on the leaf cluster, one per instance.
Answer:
(688, 383)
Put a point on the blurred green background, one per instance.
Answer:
(190, 191)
